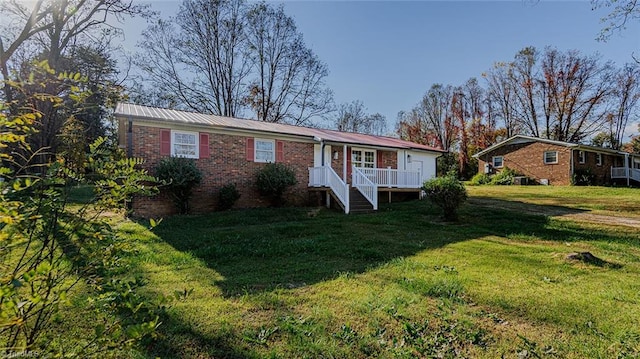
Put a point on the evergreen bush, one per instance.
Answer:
(447, 193)
(273, 180)
(228, 196)
(181, 175)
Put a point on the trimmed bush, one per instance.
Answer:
(180, 175)
(228, 196)
(273, 180)
(480, 179)
(447, 193)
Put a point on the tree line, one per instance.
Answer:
(553, 94)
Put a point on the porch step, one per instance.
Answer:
(358, 203)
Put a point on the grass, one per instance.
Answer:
(599, 200)
(397, 283)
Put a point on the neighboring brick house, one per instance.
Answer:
(556, 162)
(229, 150)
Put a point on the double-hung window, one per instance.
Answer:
(498, 161)
(265, 150)
(184, 144)
(582, 157)
(550, 157)
(599, 159)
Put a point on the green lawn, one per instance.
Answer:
(398, 283)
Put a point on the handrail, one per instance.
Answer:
(326, 176)
(368, 189)
(389, 177)
(635, 174)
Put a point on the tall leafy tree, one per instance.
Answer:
(60, 32)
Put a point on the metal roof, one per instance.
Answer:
(139, 112)
(529, 139)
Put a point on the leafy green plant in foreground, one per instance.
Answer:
(49, 246)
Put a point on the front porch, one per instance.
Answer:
(626, 173)
(366, 185)
(631, 171)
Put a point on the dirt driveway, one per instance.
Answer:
(559, 212)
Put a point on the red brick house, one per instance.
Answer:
(555, 162)
(349, 170)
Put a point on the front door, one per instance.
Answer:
(363, 158)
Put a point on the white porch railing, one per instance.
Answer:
(387, 177)
(621, 172)
(368, 188)
(326, 176)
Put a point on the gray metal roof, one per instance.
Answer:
(134, 112)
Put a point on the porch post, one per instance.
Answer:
(344, 163)
(627, 167)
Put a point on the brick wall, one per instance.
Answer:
(527, 159)
(602, 172)
(227, 164)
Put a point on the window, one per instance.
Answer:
(550, 157)
(184, 144)
(265, 150)
(498, 161)
(599, 159)
(363, 158)
(582, 157)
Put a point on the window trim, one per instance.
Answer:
(582, 157)
(196, 135)
(493, 161)
(544, 158)
(599, 159)
(362, 162)
(256, 150)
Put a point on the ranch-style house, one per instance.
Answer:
(353, 172)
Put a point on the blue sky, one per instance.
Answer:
(388, 53)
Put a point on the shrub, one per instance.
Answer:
(583, 178)
(504, 177)
(447, 193)
(273, 180)
(180, 175)
(480, 179)
(228, 196)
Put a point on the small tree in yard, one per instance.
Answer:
(181, 176)
(447, 193)
(273, 180)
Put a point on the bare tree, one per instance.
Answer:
(200, 56)
(288, 86)
(624, 102)
(575, 89)
(524, 77)
(501, 96)
(353, 117)
(224, 57)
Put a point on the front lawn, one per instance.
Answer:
(288, 283)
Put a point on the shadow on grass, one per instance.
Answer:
(526, 208)
(261, 250)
